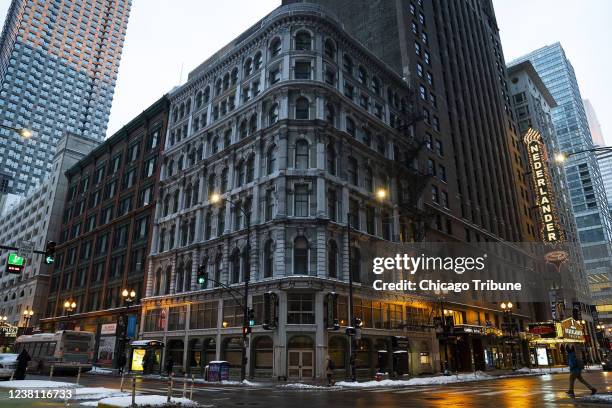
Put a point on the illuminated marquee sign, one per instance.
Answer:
(545, 201)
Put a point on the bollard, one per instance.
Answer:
(185, 386)
(191, 389)
(133, 391)
(78, 376)
(51, 371)
(170, 388)
(122, 378)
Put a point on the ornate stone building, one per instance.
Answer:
(298, 125)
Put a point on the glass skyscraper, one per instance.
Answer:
(584, 179)
(58, 67)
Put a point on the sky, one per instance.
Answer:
(167, 39)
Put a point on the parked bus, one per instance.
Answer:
(65, 350)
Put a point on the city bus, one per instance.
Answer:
(65, 350)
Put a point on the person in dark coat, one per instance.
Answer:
(22, 365)
(576, 366)
(329, 371)
(147, 362)
(121, 360)
(169, 365)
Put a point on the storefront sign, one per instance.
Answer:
(469, 329)
(110, 328)
(570, 329)
(106, 350)
(8, 331)
(137, 359)
(545, 201)
(544, 330)
(493, 331)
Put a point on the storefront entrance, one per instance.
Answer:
(301, 364)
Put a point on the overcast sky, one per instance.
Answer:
(166, 38)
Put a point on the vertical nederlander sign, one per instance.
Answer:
(545, 201)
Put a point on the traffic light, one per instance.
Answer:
(202, 277)
(251, 316)
(50, 252)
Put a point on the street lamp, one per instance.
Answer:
(27, 315)
(3, 319)
(129, 296)
(216, 198)
(23, 132)
(561, 157)
(507, 310)
(69, 307)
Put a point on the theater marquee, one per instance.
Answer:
(545, 201)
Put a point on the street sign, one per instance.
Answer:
(15, 263)
(26, 248)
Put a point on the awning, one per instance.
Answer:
(146, 343)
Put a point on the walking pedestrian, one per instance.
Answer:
(22, 365)
(121, 360)
(329, 371)
(169, 364)
(576, 366)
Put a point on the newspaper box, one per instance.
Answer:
(217, 371)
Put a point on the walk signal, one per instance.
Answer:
(50, 252)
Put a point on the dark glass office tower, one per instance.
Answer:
(58, 67)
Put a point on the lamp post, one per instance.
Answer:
(3, 320)
(27, 315)
(128, 296)
(507, 310)
(23, 132)
(215, 199)
(561, 157)
(381, 194)
(441, 295)
(69, 307)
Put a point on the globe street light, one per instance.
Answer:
(27, 315)
(507, 310)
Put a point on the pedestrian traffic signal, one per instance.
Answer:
(202, 277)
(251, 316)
(50, 252)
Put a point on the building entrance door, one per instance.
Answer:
(301, 364)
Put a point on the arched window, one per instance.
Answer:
(350, 127)
(218, 86)
(235, 262)
(180, 163)
(157, 286)
(330, 48)
(170, 168)
(303, 41)
(253, 124)
(198, 99)
(208, 225)
(257, 61)
(347, 64)
(301, 154)
(166, 209)
(300, 256)
(175, 115)
(187, 202)
(275, 47)
(187, 280)
(178, 285)
(187, 106)
(175, 202)
(376, 85)
(206, 96)
(211, 184)
(223, 181)
(368, 179)
(240, 173)
(243, 129)
(182, 111)
(271, 160)
(226, 81)
(363, 75)
(162, 240)
(355, 264)
(250, 169)
(234, 76)
(352, 171)
(268, 259)
(218, 268)
(167, 280)
(330, 156)
(367, 138)
(273, 114)
(330, 114)
(195, 195)
(215, 145)
(301, 108)
(332, 259)
(248, 67)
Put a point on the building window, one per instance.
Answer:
(347, 64)
(331, 160)
(302, 70)
(271, 160)
(362, 75)
(301, 200)
(300, 308)
(275, 47)
(301, 154)
(275, 75)
(269, 205)
(332, 204)
(355, 264)
(350, 127)
(303, 41)
(330, 49)
(301, 108)
(368, 178)
(332, 259)
(268, 261)
(352, 171)
(353, 214)
(235, 263)
(435, 197)
(272, 115)
(300, 256)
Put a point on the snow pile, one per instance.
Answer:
(437, 380)
(552, 370)
(597, 398)
(146, 400)
(299, 386)
(90, 393)
(18, 384)
(100, 370)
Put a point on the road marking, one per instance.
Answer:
(495, 392)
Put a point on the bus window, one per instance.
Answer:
(52, 348)
(36, 349)
(44, 348)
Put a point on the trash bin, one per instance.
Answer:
(217, 371)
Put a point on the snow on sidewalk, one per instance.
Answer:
(18, 384)
(90, 393)
(143, 400)
(552, 370)
(436, 380)
(101, 371)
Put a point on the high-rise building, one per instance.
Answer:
(594, 125)
(105, 233)
(605, 166)
(58, 68)
(37, 218)
(586, 188)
